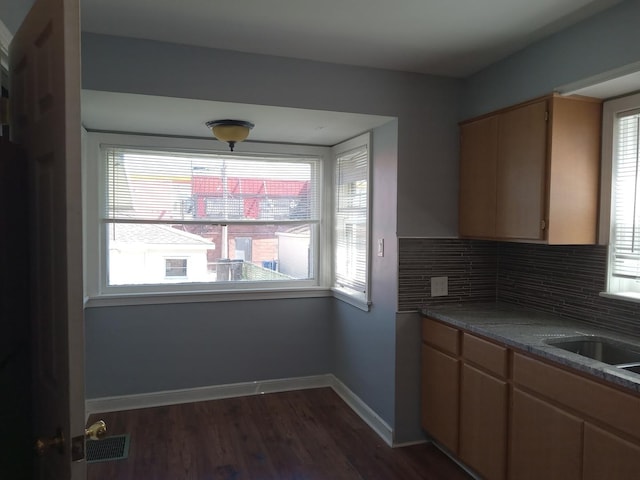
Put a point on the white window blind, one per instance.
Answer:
(626, 201)
(169, 187)
(226, 218)
(351, 219)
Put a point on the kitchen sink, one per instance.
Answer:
(635, 368)
(601, 349)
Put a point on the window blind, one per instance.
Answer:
(168, 187)
(351, 214)
(626, 204)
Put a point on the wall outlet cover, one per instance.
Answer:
(439, 286)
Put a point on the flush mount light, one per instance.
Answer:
(230, 131)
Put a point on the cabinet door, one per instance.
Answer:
(608, 456)
(483, 423)
(546, 442)
(521, 172)
(477, 199)
(440, 390)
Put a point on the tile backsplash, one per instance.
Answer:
(471, 268)
(563, 280)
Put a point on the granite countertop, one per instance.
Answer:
(528, 330)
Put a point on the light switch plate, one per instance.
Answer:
(439, 286)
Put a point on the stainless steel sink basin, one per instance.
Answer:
(602, 349)
(630, 368)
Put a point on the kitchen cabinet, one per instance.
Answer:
(440, 396)
(440, 383)
(483, 423)
(505, 413)
(546, 442)
(609, 456)
(568, 431)
(531, 172)
(483, 407)
(478, 157)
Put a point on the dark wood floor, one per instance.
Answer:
(301, 435)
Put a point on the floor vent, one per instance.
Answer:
(115, 447)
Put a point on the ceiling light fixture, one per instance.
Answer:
(230, 131)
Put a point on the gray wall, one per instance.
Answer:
(415, 155)
(427, 107)
(601, 43)
(142, 349)
(12, 12)
(364, 342)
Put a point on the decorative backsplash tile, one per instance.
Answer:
(469, 265)
(563, 280)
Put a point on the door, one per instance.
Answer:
(521, 172)
(478, 163)
(439, 396)
(545, 442)
(44, 69)
(608, 456)
(483, 422)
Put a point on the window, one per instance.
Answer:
(172, 215)
(621, 173)
(351, 220)
(176, 267)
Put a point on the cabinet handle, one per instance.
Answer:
(543, 224)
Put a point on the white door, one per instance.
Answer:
(44, 70)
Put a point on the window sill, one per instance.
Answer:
(126, 299)
(357, 300)
(633, 297)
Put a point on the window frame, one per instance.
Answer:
(167, 268)
(616, 287)
(98, 293)
(361, 300)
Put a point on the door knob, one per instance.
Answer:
(96, 431)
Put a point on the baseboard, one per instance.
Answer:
(410, 444)
(199, 394)
(455, 460)
(216, 392)
(363, 410)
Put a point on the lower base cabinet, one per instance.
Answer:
(440, 395)
(483, 422)
(609, 456)
(509, 415)
(546, 442)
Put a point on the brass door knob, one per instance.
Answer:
(96, 431)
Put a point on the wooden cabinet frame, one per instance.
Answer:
(531, 172)
(512, 406)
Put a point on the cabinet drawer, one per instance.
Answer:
(613, 407)
(485, 354)
(440, 336)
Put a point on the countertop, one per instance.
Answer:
(528, 330)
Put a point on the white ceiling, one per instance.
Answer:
(446, 37)
(119, 112)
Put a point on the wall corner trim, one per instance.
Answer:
(217, 392)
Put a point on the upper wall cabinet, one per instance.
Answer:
(531, 172)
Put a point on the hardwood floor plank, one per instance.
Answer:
(298, 435)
